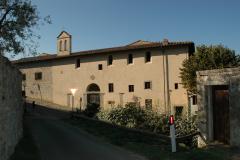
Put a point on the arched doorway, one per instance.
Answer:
(93, 94)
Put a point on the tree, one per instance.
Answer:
(17, 21)
(206, 58)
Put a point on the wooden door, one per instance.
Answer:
(221, 123)
(93, 98)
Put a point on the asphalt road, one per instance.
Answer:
(58, 140)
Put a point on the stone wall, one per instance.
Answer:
(205, 81)
(10, 108)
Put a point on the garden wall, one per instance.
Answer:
(10, 108)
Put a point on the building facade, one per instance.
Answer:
(143, 72)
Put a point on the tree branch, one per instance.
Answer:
(6, 13)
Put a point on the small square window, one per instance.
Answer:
(24, 77)
(130, 59)
(178, 111)
(110, 60)
(110, 87)
(38, 75)
(100, 67)
(148, 57)
(131, 88)
(111, 103)
(148, 104)
(148, 85)
(176, 85)
(78, 63)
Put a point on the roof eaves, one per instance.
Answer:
(106, 50)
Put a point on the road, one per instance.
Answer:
(58, 140)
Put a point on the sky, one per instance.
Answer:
(96, 24)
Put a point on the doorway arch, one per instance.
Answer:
(93, 88)
(93, 94)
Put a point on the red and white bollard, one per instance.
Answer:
(172, 133)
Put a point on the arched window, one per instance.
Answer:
(65, 45)
(60, 46)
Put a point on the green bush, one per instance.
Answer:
(128, 116)
(157, 123)
(185, 126)
(132, 116)
(103, 115)
(91, 110)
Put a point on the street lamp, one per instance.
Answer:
(73, 91)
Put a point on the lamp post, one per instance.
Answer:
(73, 91)
(80, 104)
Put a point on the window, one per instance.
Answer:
(131, 88)
(194, 100)
(178, 111)
(130, 59)
(24, 94)
(60, 46)
(176, 85)
(110, 87)
(78, 63)
(65, 45)
(38, 75)
(148, 57)
(24, 77)
(100, 67)
(110, 60)
(111, 103)
(148, 104)
(148, 85)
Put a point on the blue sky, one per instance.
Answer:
(107, 23)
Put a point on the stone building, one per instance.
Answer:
(147, 72)
(218, 104)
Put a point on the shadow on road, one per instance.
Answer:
(45, 111)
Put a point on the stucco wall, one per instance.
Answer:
(10, 108)
(65, 76)
(205, 81)
(38, 89)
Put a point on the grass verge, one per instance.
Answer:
(148, 145)
(26, 148)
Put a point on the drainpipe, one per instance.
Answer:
(164, 83)
(167, 83)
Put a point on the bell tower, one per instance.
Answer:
(64, 44)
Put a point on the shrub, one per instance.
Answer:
(103, 115)
(185, 126)
(157, 123)
(91, 110)
(128, 116)
(132, 116)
